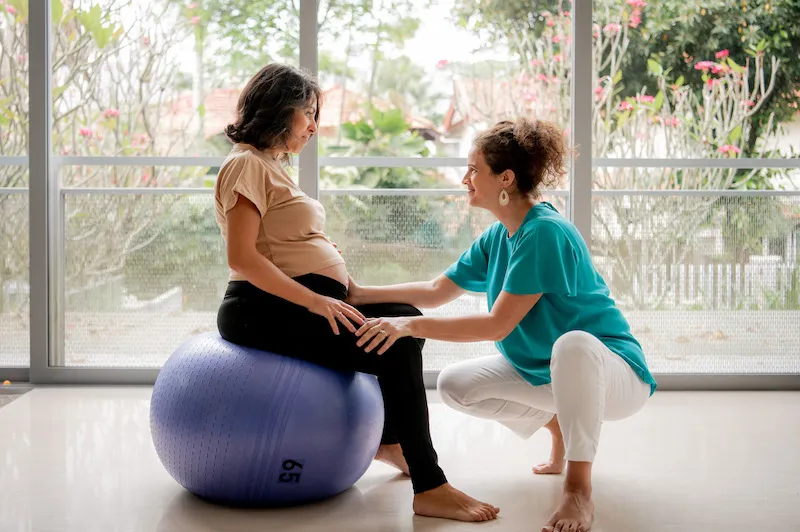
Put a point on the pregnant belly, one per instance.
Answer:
(337, 272)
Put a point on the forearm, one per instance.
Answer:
(465, 329)
(262, 273)
(418, 294)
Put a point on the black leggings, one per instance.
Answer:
(254, 318)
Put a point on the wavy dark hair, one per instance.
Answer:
(534, 149)
(267, 105)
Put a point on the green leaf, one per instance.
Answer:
(201, 110)
(681, 81)
(58, 91)
(3, 120)
(56, 11)
(617, 77)
(390, 123)
(735, 135)
(784, 34)
(658, 103)
(735, 66)
(654, 67)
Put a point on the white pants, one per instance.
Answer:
(590, 384)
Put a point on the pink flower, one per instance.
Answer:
(111, 113)
(146, 41)
(85, 132)
(729, 149)
(543, 77)
(529, 96)
(645, 98)
(193, 5)
(145, 178)
(674, 121)
(534, 62)
(612, 28)
(557, 58)
(712, 82)
(550, 22)
(556, 39)
(716, 69)
(546, 14)
(635, 21)
(705, 66)
(722, 54)
(195, 19)
(599, 90)
(626, 106)
(748, 103)
(567, 14)
(11, 10)
(637, 3)
(442, 63)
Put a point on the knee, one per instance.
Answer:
(574, 350)
(452, 387)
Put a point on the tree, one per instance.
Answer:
(712, 118)
(115, 88)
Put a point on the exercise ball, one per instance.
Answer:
(244, 427)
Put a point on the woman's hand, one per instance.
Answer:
(386, 330)
(335, 310)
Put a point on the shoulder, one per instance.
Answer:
(241, 158)
(549, 229)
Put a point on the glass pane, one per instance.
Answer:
(710, 284)
(405, 79)
(163, 77)
(677, 80)
(14, 262)
(13, 78)
(141, 278)
(393, 239)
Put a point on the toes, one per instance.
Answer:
(489, 508)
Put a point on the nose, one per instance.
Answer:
(465, 179)
(312, 126)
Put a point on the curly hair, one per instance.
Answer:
(267, 105)
(533, 149)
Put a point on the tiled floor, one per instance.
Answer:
(82, 460)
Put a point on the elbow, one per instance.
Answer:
(499, 331)
(238, 261)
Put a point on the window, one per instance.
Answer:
(14, 261)
(699, 247)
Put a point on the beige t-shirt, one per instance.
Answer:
(292, 230)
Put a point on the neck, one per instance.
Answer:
(512, 215)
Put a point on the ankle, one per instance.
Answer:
(578, 488)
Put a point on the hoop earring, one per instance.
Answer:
(503, 198)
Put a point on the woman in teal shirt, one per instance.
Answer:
(568, 359)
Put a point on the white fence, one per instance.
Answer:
(759, 285)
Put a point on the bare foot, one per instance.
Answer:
(392, 455)
(449, 503)
(575, 513)
(550, 468)
(557, 462)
